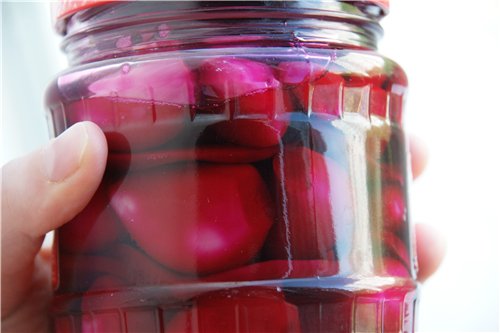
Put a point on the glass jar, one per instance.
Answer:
(257, 171)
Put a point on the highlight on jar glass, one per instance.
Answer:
(257, 176)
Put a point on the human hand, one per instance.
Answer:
(431, 244)
(47, 188)
(40, 192)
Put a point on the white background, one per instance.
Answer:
(450, 50)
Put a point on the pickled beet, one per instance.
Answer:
(251, 310)
(214, 153)
(194, 230)
(161, 81)
(305, 229)
(135, 268)
(94, 229)
(313, 86)
(395, 247)
(251, 132)
(323, 311)
(378, 102)
(394, 207)
(251, 94)
(104, 283)
(139, 107)
(101, 295)
(78, 272)
(293, 73)
(131, 124)
(393, 267)
(325, 91)
(278, 269)
(230, 77)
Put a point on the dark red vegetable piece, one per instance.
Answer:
(396, 248)
(130, 124)
(213, 153)
(109, 306)
(394, 207)
(378, 102)
(293, 73)
(135, 268)
(277, 269)
(139, 106)
(321, 310)
(312, 190)
(251, 132)
(390, 308)
(250, 96)
(101, 305)
(92, 230)
(196, 218)
(363, 78)
(326, 94)
(315, 88)
(165, 81)
(394, 267)
(228, 77)
(77, 272)
(391, 173)
(250, 310)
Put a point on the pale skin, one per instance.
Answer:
(46, 188)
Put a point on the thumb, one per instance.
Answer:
(40, 192)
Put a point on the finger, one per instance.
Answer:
(40, 192)
(431, 248)
(419, 155)
(31, 314)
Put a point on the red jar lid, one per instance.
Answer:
(65, 8)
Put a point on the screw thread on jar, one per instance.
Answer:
(133, 28)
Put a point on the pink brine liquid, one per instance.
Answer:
(264, 193)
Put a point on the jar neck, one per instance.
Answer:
(131, 28)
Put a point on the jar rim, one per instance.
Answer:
(117, 29)
(63, 9)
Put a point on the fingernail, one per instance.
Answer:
(64, 154)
